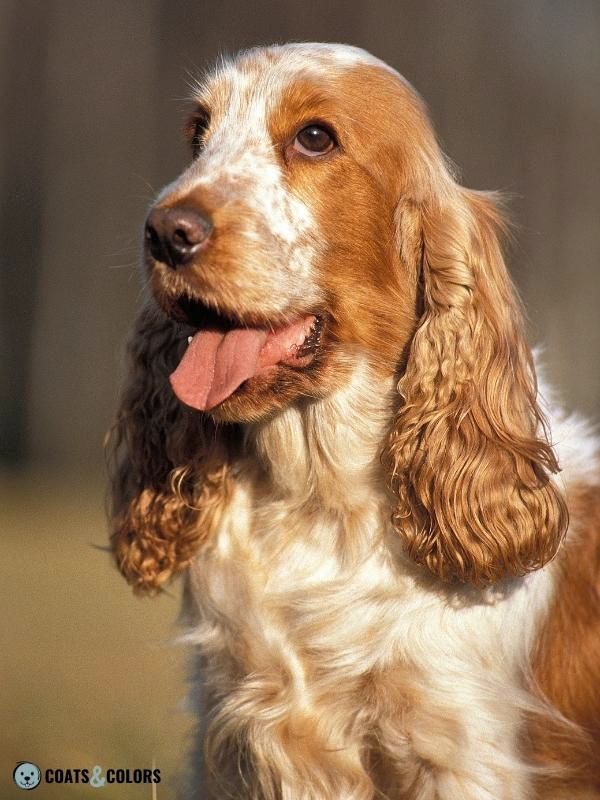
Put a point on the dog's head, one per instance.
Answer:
(316, 222)
(278, 244)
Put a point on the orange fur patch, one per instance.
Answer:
(567, 659)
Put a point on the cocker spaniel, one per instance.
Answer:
(332, 428)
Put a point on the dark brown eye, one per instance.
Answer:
(196, 129)
(314, 140)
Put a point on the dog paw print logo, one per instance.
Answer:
(27, 775)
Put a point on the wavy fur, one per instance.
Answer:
(469, 454)
(170, 472)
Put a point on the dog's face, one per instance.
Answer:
(278, 247)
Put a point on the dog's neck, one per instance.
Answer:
(328, 451)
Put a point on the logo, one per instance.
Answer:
(27, 775)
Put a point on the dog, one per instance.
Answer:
(332, 427)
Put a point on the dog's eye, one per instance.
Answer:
(314, 140)
(196, 130)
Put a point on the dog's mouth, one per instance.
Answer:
(226, 351)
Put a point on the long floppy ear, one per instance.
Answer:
(168, 466)
(469, 457)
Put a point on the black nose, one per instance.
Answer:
(174, 235)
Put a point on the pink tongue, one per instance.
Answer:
(216, 363)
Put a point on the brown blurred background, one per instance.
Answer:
(91, 108)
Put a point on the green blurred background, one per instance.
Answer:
(91, 109)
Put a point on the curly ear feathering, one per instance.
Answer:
(169, 470)
(331, 427)
(470, 459)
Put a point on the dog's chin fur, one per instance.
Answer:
(270, 393)
(367, 541)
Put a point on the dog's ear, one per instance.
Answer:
(468, 454)
(168, 465)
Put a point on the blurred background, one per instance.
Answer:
(91, 108)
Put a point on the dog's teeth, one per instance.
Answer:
(190, 339)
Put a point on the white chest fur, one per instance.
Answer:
(315, 627)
